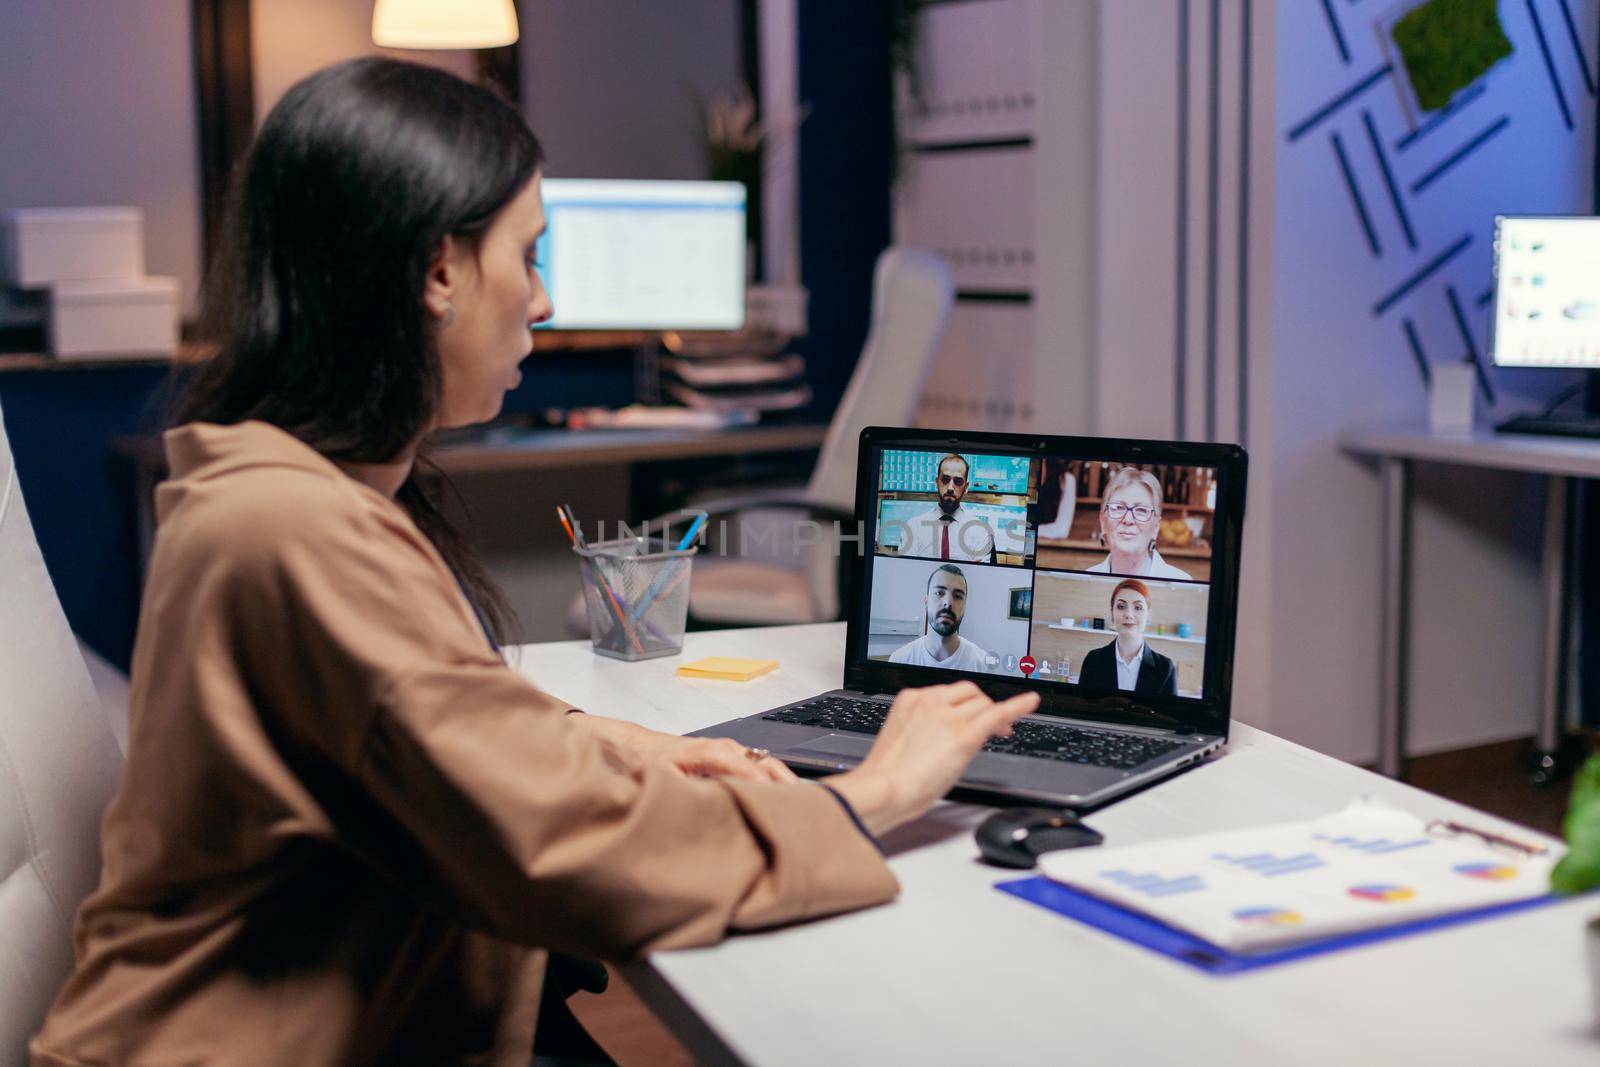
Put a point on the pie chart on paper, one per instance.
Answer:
(1269, 916)
(1383, 894)
(1488, 872)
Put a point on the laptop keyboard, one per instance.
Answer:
(1040, 740)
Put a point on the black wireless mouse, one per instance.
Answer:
(1016, 837)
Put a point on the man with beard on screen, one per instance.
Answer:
(943, 646)
(950, 530)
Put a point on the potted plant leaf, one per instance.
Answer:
(1579, 869)
(734, 146)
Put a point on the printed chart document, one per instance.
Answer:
(1365, 867)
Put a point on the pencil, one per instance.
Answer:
(668, 577)
(679, 572)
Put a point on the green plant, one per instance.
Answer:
(900, 25)
(734, 136)
(1579, 869)
(736, 142)
(1446, 45)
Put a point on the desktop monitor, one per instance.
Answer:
(644, 255)
(1547, 292)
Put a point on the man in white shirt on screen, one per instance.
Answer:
(949, 530)
(945, 603)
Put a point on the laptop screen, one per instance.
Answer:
(1086, 572)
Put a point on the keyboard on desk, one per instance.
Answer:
(1040, 740)
(1554, 425)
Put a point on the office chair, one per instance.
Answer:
(776, 578)
(59, 765)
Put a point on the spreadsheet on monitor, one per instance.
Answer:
(651, 255)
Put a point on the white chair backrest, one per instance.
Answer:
(911, 297)
(59, 765)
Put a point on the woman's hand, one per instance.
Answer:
(930, 737)
(720, 757)
(699, 757)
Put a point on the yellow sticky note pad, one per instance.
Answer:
(728, 668)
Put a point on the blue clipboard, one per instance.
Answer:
(1204, 956)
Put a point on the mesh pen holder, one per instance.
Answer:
(637, 594)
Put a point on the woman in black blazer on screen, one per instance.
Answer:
(1129, 663)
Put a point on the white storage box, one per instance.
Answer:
(111, 318)
(60, 244)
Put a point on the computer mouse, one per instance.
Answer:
(1016, 837)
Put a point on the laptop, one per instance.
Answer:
(1102, 574)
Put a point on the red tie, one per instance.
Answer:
(944, 540)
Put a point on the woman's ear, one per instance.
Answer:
(444, 280)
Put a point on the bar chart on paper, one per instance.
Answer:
(1377, 846)
(1269, 865)
(1153, 885)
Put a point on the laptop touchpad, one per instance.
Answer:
(852, 745)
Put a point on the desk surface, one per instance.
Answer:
(536, 449)
(1571, 456)
(527, 450)
(956, 972)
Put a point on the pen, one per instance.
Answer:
(694, 528)
(570, 522)
(1446, 828)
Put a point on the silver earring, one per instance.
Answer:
(449, 314)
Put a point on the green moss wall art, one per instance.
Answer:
(1446, 45)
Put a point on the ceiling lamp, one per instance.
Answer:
(444, 23)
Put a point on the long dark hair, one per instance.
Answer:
(315, 297)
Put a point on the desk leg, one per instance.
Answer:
(1572, 620)
(1395, 616)
(1555, 602)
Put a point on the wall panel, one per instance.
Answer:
(975, 209)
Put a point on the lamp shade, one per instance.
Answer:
(444, 23)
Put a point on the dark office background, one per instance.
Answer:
(60, 421)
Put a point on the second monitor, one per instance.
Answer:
(644, 255)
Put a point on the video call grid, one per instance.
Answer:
(1014, 482)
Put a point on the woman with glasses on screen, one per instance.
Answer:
(1130, 521)
(347, 830)
(1129, 663)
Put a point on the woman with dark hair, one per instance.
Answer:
(1129, 663)
(346, 829)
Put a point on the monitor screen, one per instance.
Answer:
(1547, 292)
(644, 255)
(1074, 570)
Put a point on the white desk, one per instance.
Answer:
(1560, 460)
(956, 972)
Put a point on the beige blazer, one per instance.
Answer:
(346, 826)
